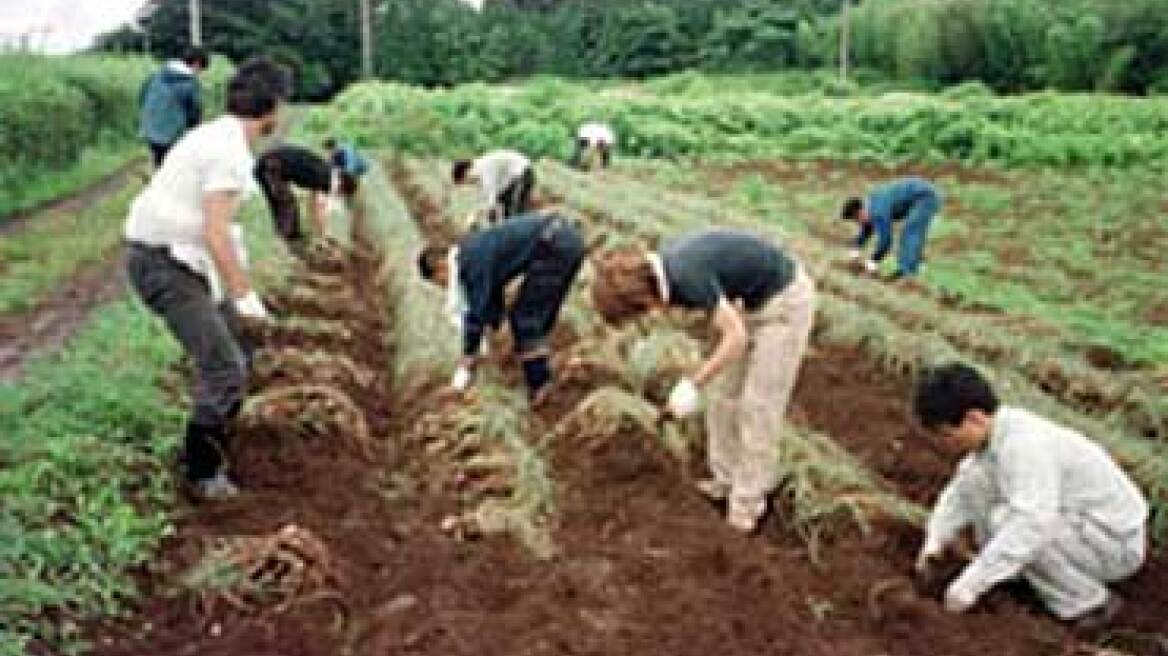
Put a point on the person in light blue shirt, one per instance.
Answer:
(913, 201)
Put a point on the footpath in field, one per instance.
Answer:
(85, 284)
(350, 538)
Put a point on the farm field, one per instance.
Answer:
(384, 515)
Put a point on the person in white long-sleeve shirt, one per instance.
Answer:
(505, 178)
(1045, 503)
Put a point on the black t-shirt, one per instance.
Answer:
(703, 267)
(302, 167)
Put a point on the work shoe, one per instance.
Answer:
(216, 488)
(1102, 616)
(713, 489)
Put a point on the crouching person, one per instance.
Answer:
(762, 303)
(593, 140)
(185, 260)
(546, 250)
(505, 178)
(1045, 503)
(284, 167)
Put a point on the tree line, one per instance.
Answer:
(1010, 45)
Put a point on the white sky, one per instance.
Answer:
(61, 25)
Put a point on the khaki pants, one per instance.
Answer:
(748, 401)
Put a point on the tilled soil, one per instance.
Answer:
(643, 563)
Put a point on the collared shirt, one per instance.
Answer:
(496, 170)
(1041, 473)
(596, 134)
(704, 267)
(169, 212)
(887, 204)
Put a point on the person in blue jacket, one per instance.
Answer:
(913, 201)
(169, 103)
(546, 250)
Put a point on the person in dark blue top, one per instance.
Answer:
(546, 250)
(169, 103)
(912, 200)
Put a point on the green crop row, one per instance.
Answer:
(540, 118)
(54, 110)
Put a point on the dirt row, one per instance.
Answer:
(344, 538)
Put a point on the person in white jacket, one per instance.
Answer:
(506, 179)
(1045, 503)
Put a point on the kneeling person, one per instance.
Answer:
(546, 250)
(762, 303)
(1045, 503)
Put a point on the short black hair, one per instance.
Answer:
(329, 144)
(460, 169)
(428, 260)
(946, 392)
(195, 56)
(851, 208)
(257, 88)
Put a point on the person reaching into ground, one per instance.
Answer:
(762, 302)
(328, 181)
(546, 250)
(186, 261)
(506, 179)
(1045, 503)
(169, 103)
(912, 200)
(593, 140)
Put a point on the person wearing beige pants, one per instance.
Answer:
(761, 302)
(745, 410)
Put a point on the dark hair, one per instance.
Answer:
(257, 88)
(945, 393)
(329, 144)
(460, 169)
(428, 260)
(195, 56)
(851, 209)
(625, 285)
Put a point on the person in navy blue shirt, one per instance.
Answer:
(913, 201)
(546, 250)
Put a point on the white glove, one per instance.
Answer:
(683, 400)
(958, 599)
(854, 254)
(251, 306)
(461, 379)
(929, 551)
(870, 266)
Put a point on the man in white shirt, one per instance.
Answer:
(1045, 503)
(593, 140)
(186, 262)
(506, 179)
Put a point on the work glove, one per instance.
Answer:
(870, 266)
(854, 254)
(928, 554)
(683, 400)
(251, 306)
(958, 599)
(461, 379)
